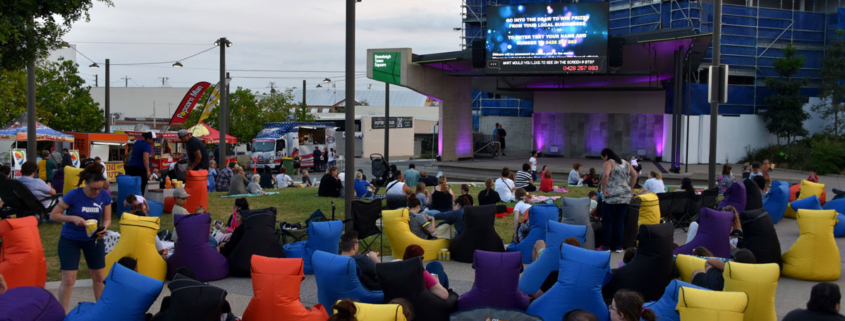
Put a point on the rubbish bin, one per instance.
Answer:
(287, 162)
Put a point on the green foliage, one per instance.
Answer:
(28, 28)
(822, 153)
(280, 106)
(785, 115)
(13, 91)
(832, 89)
(826, 157)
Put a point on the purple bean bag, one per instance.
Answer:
(714, 232)
(193, 251)
(30, 303)
(496, 282)
(734, 196)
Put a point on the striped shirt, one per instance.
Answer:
(523, 179)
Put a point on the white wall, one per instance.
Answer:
(138, 101)
(401, 140)
(519, 129)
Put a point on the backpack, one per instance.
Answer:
(502, 132)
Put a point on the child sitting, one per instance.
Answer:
(593, 203)
(465, 193)
(813, 177)
(137, 204)
(254, 187)
(711, 277)
(520, 214)
(222, 233)
(546, 182)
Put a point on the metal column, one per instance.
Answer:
(714, 105)
(108, 97)
(224, 106)
(349, 152)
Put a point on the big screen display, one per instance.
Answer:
(548, 38)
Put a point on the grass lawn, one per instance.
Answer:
(293, 205)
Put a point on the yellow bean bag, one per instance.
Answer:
(704, 305)
(378, 312)
(71, 178)
(649, 210)
(687, 264)
(809, 188)
(759, 282)
(399, 235)
(814, 256)
(137, 240)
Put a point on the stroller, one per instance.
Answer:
(380, 170)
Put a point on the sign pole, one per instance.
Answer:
(714, 103)
(349, 152)
(387, 122)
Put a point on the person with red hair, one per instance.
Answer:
(438, 285)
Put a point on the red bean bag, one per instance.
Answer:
(275, 284)
(168, 204)
(196, 186)
(22, 261)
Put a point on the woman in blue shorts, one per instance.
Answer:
(91, 202)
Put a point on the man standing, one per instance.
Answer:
(46, 166)
(412, 176)
(502, 133)
(139, 161)
(318, 159)
(56, 156)
(197, 154)
(66, 158)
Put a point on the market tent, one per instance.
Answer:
(16, 130)
(209, 135)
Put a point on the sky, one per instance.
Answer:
(266, 35)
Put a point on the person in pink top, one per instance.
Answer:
(435, 285)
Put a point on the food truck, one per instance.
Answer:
(166, 151)
(277, 141)
(110, 148)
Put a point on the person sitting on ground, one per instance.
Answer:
(580, 315)
(813, 177)
(524, 180)
(46, 167)
(421, 224)
(520, 215)
(465, 192)
(422, 194)
(39, 189)
(330, 184)
(306, 180)
(412, 176)
(594, 204)
(654, 183)
(366, 262)
(766, 169)
(180, 198)
(397, 187)
(362, 187)
(136, 204)
(283, 180)
(628, 306)
(711, 277)
(592, 179)
(434, 276)
(574, 176)
(823, 305)
(453, 218)
(488, 195)
(224, 177)
(267, 181)
(238, 182)
(505, 186)
(547, 183)
(254, 187)
(725, 180)
(755, 170)
(429, 180)
(443, 196)
(128, 263)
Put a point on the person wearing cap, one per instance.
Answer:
(180, 198)
(139, 161)
(197, 154)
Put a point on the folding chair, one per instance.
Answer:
(24, 202)
(709, 198)
(365, 216)
(665, 201)
(693, 206)
(680, 204)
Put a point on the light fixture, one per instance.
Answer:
(457, 29)
(327, 80)
(319, 86)
(177, 64)
(94, 65)
(228, 43)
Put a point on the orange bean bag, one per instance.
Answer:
(196, 184)
(793, 194)
(22, 261)
(168, 204)
(275, 284)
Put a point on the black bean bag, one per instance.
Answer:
(256, 237)
(629, 236)
(479, 234)
(490, 313)
(404, 279)
(753, 196)
(652, 268)
(192, 300)
(759, 236)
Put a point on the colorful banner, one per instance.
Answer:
(74, 158)
(213, 100)
(187, 105)
(114, 169)
(18, 158)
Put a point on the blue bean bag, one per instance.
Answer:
(337, 279)
(496, 282)
(156, 208)
(30, 303)
(665, 307)
(322, 236)
(549, 261)
(581, 276)
(839, 206)
(777, 200)
(537, 218)
(809, 203)
(193, 251)
(127, 296)
(126, 185)
(839, 228)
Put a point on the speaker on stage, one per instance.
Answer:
(479, 54)
(614, 52)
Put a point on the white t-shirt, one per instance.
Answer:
(331, 156)
(283, 180)
(520, 208)
(138, 199)
(341, 177)
(504, 187)
(533, 162)
(396, 188)
(654, 185)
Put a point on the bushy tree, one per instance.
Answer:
(280, 106)
(13, 93)
(832, 89)
(785, 115)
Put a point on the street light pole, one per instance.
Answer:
(108, 100)
(349, 157)
(31, 152)
(387, 121)
(715, 85)
(224, 103)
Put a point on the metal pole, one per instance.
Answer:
(714, 106)
(31, 152)
(224, 106)
(387, 122)
(674, 113)
(689, 75)
(304, 93)
(108, 97)
(350, 112)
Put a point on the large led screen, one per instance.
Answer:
(548, 38)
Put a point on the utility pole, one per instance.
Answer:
(714, 105)
(126, 79)
(163, 80)
(350, 112)
(387, 121)
(96, 80)
(223, 43)
(272, 87)
(108, 97)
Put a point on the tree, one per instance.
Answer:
(785, 116)
(280, 106)
(13, 91)
(832, 89)
(62, 102)
(28, 29)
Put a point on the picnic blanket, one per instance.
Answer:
(250, 195)
(544, 199)
(561, 190)
(373, 197)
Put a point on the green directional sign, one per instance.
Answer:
(387, 67)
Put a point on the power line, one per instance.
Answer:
(165, 62)
(139, 43)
